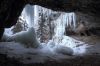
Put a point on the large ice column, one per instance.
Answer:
(42, 23)
(65, 19)
(36, 17)
(28, 15)
(59, 30)
(71, 20)
(60, 24)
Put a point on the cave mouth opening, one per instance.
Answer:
(51, 29)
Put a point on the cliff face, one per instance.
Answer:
(9, 12)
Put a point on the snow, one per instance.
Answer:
(28, 38)
(37, 55)
(28, 15)
(8, 31)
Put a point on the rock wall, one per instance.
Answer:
(92, 23)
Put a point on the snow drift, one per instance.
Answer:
(28, 38)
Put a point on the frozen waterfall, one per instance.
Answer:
(50, 28)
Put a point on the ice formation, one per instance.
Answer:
(59, 43)
(28, 15)
(63, 21)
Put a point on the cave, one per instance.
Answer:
(49, 32)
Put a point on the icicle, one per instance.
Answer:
(67, 20)
(74, 21)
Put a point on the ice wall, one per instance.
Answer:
(59, 23)
(65, 20)
(50, 27)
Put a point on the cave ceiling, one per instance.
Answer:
(91, 7)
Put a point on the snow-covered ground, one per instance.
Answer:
(45, 52)
(30, 55)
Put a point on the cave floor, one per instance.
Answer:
(92, 58)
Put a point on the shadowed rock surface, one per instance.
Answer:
(90, 60)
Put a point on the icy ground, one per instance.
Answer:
(45, 52)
